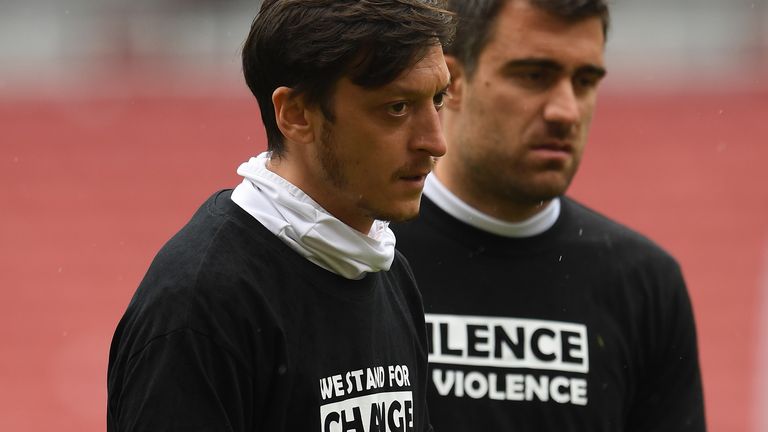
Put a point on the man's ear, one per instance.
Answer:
(292, 116)
(458, 80)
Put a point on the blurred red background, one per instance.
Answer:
(93, 184)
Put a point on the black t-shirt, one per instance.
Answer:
(585, 327)
(231, 330)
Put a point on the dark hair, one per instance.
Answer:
(476, 19)
(308, 45)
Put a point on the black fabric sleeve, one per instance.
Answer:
(669, 396)
(183, 381)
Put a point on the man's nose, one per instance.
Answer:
(428, 135)
(563, 104)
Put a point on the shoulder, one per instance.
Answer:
(215, 278)
(213, 252)
(582, 224)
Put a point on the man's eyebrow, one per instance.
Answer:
(533, 62)
(413, 92)
(598, 71)
(544, 63)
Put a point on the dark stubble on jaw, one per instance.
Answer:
(329, 161)
(333, 171)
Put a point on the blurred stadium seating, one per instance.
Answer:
(117, 118)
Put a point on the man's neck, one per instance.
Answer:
(296, 176)
(507, 210)
(457, 208)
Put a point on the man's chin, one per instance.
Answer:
(399, 215)
(555, 185)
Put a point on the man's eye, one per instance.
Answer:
(534, 78)
(439, 100)
(398, 109)
(587, 81)
(537, 77)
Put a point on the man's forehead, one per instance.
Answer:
(523, 31)
(428, 75)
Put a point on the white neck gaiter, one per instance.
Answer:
(454, 206)
(310, 230)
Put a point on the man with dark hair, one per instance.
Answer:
(283, 305)
(542, 314)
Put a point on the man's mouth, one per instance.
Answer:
(554, 146)
(414, 177)
(415, 172)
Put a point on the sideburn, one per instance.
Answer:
(329, 160)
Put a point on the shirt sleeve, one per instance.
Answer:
(669, 396)
(183, 381)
